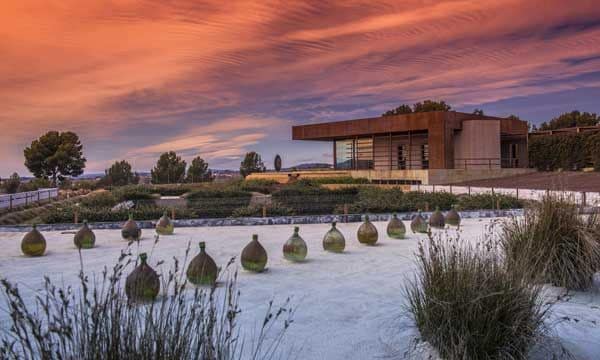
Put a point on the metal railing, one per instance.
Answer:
(10, 201)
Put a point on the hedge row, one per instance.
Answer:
(217, 203)
(67, 214)
(565, 151)
(309, 200)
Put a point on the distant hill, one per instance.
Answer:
(309, 166)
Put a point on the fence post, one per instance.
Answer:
(26, 198)
(433, 188)
(38, 195)
(10, 201)
(583, 199)
(517, 193)
(345, 212)
(469, 190)
(450, 189)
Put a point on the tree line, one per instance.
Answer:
(55, 157)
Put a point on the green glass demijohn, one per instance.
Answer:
(453, 217)
(418, 224)
(33, 243)
(396, 228)
(85, 237)
(254, 256)
(202, 270)
(295, 248)
(164, 226)
(130, 230)
(367, 232)
(436, 220)
(143, 284)
(334, 240)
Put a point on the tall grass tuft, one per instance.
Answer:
(466, 304)
(553, 244)
(95, 321)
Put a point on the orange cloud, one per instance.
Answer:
(139, 77)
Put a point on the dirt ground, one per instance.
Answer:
(565, 180)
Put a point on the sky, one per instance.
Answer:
(220, 78)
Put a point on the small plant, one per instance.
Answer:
(488, 201)
(554, 244)
(467, 305)
(96, 321)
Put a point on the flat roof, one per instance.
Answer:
(329, 131)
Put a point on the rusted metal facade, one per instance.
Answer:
(422, 141)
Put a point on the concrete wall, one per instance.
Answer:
(286, 176)
(453, 176)
(431, 176)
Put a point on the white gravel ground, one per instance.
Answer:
(349, 306)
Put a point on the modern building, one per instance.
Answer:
(423, 148)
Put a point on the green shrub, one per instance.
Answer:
(84, 185)
(35, 184)
(564, 151)
(257, 211)
(95, 320)
(467, 305)
(554, 244)
(66, 214)
(308, 199)
(593, 148)
(488, 201)
(375, 199)
(133, 192)
(171, 190)
(257, 185)
(217, 202)
(99, 199)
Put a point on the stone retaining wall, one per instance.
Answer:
(251, 221)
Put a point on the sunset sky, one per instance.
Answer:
(219, 78)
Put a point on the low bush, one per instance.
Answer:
(84, 184)
(309, 199)
(554, 244)
(99, 199)
(94, 320)
(489, 201)
(217, 202)
(66, 214)
(35, 184)
(467, 305)
(256, 185)
(257, 210)
(171, 190)
(375, 199)
(133, 192)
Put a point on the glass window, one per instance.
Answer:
(344, 150)
(402, 156)
(425, 156)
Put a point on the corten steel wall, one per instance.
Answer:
(477, 145)
(441, 127)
